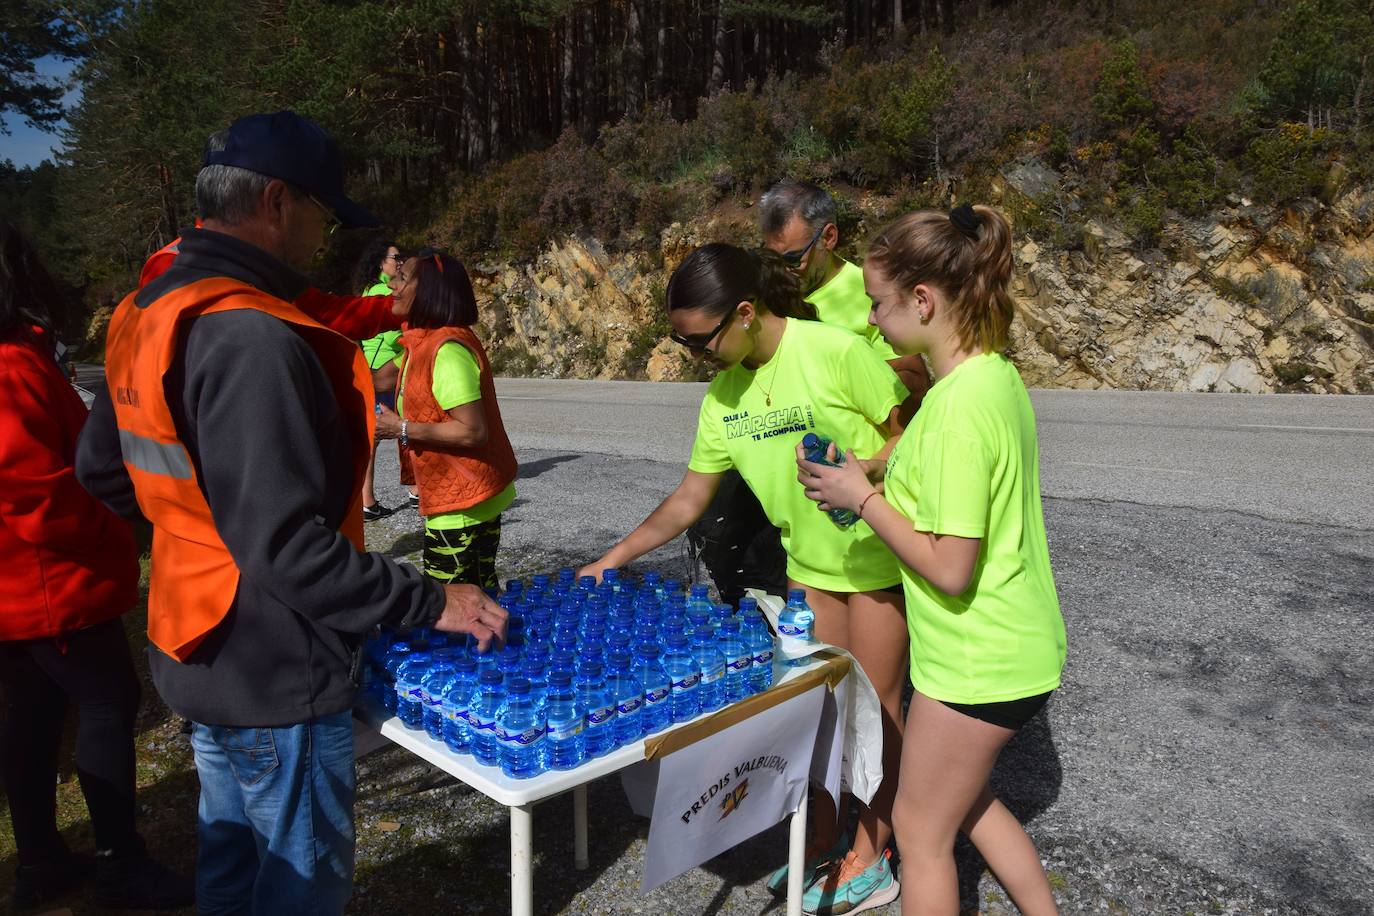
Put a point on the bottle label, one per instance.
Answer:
(738, 664)
(764, 658)
(564, 731)
(628, 705)
(687, 683)
(482, 723)
(600, 715)
(454, 713)
(793, 630)
(519, 738)
(712, 674)
(654, 695)
(428, 698)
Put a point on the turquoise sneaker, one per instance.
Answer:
(852, 888)
(777, 882)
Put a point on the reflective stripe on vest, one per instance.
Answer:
(167, 459)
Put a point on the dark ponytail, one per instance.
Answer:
(717, 277)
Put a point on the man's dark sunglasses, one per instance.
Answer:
(699, 342)
(794, 258)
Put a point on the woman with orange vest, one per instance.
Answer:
(448, 420)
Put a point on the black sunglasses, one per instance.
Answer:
(697, 343)
(794, 258)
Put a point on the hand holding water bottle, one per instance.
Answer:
(841, 485)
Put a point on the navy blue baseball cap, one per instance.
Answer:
(297, 150)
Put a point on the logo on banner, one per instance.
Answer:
(731, 802)
(740, 787)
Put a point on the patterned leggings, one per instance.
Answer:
(464, 555)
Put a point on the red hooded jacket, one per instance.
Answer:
(68, 561)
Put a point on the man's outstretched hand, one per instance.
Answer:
(467, 609)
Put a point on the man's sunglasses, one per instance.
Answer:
(698, 343)
(794, 258)
(331, 222)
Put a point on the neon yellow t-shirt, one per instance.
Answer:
(458, 381)
(820, 378)
(844, 303)
(386, 346)
(970, 466)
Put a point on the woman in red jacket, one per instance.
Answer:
(70, 571)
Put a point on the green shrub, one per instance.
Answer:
(1289, 162)
(1144, 218)
(742, 134)
(1122, 101)
(1190, 177)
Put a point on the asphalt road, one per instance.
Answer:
(1209, 751)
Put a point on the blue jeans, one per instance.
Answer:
(276, 818)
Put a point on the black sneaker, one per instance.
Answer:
(35, 885)
(140, 882)
(375, 511)
(414, 500)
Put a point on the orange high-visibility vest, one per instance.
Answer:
(452, 480)
(194, 578)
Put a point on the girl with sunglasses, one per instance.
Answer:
(961, 510)
(448, 421)
(783, 377)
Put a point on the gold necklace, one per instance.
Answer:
(767, 392)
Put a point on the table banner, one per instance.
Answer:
(715, 792)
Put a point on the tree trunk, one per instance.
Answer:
(634, 60)
(717, 78)
(896, 17)
(567, 111)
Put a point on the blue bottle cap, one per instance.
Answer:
(491, 676)
(518, 686)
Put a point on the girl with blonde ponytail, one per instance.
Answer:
(961, 511)
(782, 377)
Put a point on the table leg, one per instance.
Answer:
(522, 860)
(580, 827)
(796, 855)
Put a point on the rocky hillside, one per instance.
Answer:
(1249, 299)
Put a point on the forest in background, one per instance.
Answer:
(494, 126)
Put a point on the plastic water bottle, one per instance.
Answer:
(759, 640)
(699, 599)
(432, 686)
(628, 691)
(711, 662)
(796, 627)
(520, 731)
(685, 677)
(456, 703)
(385, 690)
(737, 660)
(611, 576)
(600, 706)
(653, 580)
(483, 717)
(815, 448)
(564, 723)
(409, 700)
(508, 662)
(671, 587)
(515, 587)
(658, 689)
(536, 671)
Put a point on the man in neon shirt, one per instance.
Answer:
(797, 220)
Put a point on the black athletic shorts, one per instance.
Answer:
(1012, 714)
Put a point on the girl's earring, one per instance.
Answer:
(746, 325)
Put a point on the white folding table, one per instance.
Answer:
(521, 795)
